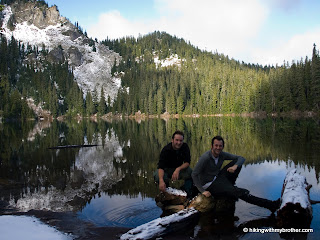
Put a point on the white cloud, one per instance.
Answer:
(226, 26)
(211, 25)
(113, 25)
(232, 27)
(297, 47)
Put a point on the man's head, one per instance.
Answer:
(177, 140)
(217, 145)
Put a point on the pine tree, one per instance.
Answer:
(90, 108)
(102, 104)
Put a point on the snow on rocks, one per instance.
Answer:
(170, 61)
(177, 192)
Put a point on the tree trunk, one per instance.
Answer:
(295, 210)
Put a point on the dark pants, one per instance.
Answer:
(224, 186)
(185, 174)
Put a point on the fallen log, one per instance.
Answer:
(174, 200)
(208, 204)
(171, 197)
(171, 201)
(295, 210)
(163, 226)
(73, 146)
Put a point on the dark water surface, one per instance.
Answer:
(111, 184)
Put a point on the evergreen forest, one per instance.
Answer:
(209, 83)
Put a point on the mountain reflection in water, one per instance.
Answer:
(112, 184)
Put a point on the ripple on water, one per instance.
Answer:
(120, 211)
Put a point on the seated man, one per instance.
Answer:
(174, 164)
(211, 181)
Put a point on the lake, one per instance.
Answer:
(111, 184)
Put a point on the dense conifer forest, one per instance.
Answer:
(209, 83)
(201, 83)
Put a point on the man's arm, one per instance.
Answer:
(185, 164)
(239, 162)
(162, 184)
(197, 171)
(233, 168)
(175, 175)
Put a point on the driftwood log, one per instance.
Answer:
(295, 210)
(178, 213)
(163, 226)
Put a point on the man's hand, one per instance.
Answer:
(232, 169)
(175, 175)
(162, 186)
(206, 193)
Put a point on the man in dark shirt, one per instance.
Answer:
(174, 163)
(213, 181)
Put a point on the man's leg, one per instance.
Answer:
(185, 174)
(242, 193)
(222, 187)
(232, 177)
(261, 202)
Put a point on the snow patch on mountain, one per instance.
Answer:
(91, 64)
(170, 61)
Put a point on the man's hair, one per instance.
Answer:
(179, 133)
(219, 138)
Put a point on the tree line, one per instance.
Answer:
(202, 83)
(209, 83)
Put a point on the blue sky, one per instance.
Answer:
(253, 31)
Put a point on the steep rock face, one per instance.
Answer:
(91, 62)
(56, 55)
(39, 16)
(75, 56)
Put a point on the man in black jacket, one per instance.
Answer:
(174, 163)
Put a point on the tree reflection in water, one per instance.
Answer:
(34, 177)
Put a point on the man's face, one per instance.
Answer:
(217, 147)
(177, 141)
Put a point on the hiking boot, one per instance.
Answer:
(261, 202)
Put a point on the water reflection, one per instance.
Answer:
(92, 171)
(112, 184)
(120, 210)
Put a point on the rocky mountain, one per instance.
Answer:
(38, 25)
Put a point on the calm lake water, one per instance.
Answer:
(111, 184)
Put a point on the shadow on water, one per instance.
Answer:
(112, 184)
